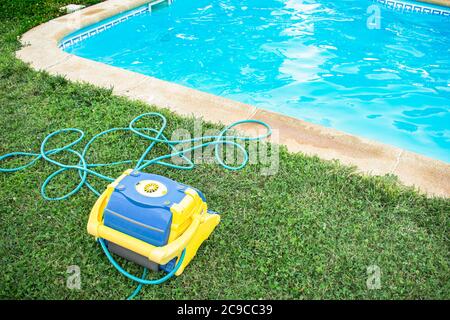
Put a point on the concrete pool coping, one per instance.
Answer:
(40, 50)
(444, 3)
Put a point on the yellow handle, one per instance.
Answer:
(96, 216)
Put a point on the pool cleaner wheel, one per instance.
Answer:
(150, 219)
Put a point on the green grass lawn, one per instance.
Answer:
(308, 232)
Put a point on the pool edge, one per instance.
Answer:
(443, 3)
(40, 50)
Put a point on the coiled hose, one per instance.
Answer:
(84, 168)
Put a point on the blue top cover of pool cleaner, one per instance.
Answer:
(140, 206)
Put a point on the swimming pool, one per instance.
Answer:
(315, 60)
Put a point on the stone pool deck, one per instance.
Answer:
(445, 3)
(40, 50)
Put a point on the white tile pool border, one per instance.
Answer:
(396, 5)
(103, 27)
(40, 49)
(414, 7)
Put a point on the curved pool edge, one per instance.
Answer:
(40, 50)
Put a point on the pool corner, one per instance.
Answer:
(40, 49)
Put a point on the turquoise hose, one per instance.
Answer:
(84, 168)
(142, 281)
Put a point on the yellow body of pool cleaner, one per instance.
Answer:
(150, 219)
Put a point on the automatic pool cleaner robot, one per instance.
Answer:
(152, 220)
(149, 219)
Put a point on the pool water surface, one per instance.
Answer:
(314, 60)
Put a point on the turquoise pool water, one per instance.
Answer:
(315, 60)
